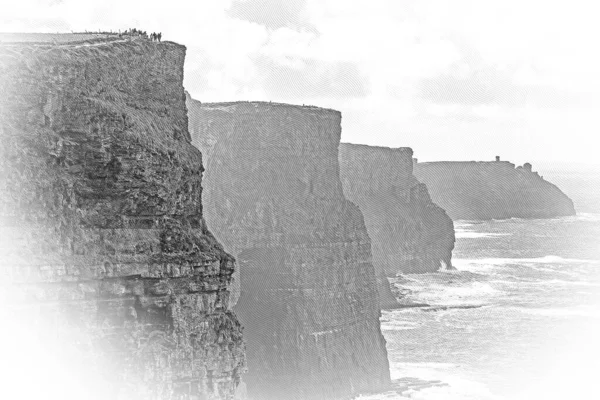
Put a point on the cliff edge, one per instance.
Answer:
(308, 298)
(410, 233)
(104, 244)
(492, 190)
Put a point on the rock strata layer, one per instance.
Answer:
(308, 298)
(492, 190)
(410, 233)
(104, 239)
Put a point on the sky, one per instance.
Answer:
(454, 80)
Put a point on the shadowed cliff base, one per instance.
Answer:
(492, 190)
(308, 297)
(106, 253)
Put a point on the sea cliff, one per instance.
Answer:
(492, 190)
(104, 244)
(410, 233)
(308, 300)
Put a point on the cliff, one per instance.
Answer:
(104, 243)
(308, 299)
(492, 190)
(410, 233)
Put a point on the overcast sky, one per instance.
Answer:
(454, 80)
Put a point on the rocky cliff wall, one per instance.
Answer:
(104, 243)
(409, 232)
(308, 300)
(492, 190)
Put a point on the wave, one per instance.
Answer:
(578, 311)
(511, 219)
(534, 283)
(550, 259)
(441, 276)
(463, 223)
(399, 325)
(568, 282)
(580, 216)
(542, 264)
(512, 273)
(390, 320)
(530, 269)
(593, 217)
(474, 289)
(468, 234)
(452, 295)
(432, 381)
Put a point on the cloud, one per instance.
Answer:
(310, 79)
(489, 86)
(196, 77)
(404, 72)
(27, 24)
(272, 13)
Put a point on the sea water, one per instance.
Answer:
(518, 319)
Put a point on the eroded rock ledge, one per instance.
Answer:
(492, 190)
(409, 232)
(104, 242)
(308, 299)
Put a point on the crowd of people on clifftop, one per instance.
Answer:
(155, 37)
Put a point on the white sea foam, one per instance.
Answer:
(550, 259)
(546, 263)
(392, 395)
(459, 389)
(396, 324)
(432, 381)
(474, 289)
(586, 217)
(468, 234)
(465, 391)
(472, 293)
(461, 223)
(468, 230)
(577, 311)
(512, 219)
(555, 282)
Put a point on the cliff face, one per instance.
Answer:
(103, 233)
(409, 232)
(492, 190)
(308, 300)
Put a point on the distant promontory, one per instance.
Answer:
(492, 190)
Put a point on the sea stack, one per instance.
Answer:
(308, 300)
(482, 190)
(410, 233)
(104, 245)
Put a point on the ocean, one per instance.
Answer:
(518, 319)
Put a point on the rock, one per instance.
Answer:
(387, 299)
(104, 241)
(410, 233)
(308, 300)
(492, 190)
